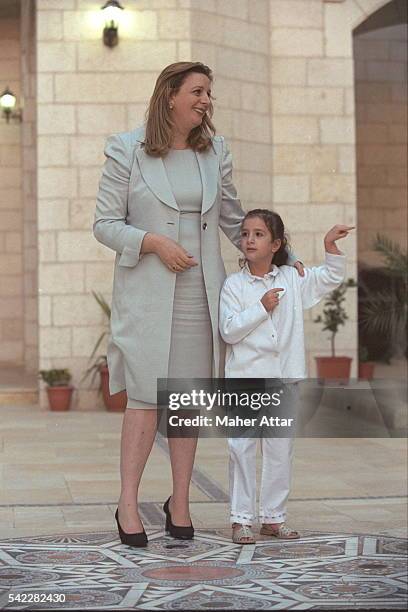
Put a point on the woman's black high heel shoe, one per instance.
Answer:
(181, 533)
(138, 539)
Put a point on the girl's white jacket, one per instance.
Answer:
(271, 345)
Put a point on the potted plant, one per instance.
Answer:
(334, 315)
(383, 311)
(118, 401)
(365, 366)
(59, 390)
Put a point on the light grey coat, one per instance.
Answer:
(134, 198)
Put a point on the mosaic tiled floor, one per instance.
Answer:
(95, 571)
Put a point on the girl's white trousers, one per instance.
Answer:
(277, 454)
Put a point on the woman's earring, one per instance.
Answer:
(171, 106)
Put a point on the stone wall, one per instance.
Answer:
(11, 205)
(381, 116)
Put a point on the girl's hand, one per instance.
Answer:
(335, 233)
(270, 299)
(299, 267)
(174, 257)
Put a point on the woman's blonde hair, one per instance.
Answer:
(159, 127)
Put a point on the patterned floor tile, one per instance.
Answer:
(94, 570)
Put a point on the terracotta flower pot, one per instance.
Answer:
(366, 370)
(59, 398)
(334, 368)
(113, 403)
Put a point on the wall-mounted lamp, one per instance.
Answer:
(7, 104)
(111, 11)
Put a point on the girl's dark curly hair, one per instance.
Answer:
(275, 225)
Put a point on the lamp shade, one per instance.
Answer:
(112, 11)
(7, 100)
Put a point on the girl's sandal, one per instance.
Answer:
(243, 534)
(283, 532)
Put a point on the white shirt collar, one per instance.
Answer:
(252, 278)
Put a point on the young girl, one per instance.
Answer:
(261, 320)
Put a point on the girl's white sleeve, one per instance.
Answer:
(235, 321)
(320, 280)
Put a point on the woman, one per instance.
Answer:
(165, 190)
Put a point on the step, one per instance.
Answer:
(14, 396)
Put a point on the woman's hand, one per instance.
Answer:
(174, 257)
(299, 267)
(270, 299)
(335, 233)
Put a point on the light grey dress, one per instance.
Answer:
(191, 353)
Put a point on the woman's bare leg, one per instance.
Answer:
(182, 454)
(138, 433)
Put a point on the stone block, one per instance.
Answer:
(372, 133)
(399, 92)
(294, 14)
(223, 119)
(366, 49)
(296, 42)
(389, 197)
(56, 56)
(253, 157)
(337, 130)
(258, 11)
(333, 188)
(397, 176)
(12, 330)
(10, 285)
(75, 310)
(85, 338)
(340, 19)
(373, 92)
(255, 98)
(251, 127)
(303, 159)
(82, 25)
(395, 112)
(398, 51)
(209, 28)
(288, 71)
(61, 278)
(330, 72)
(254, 187)
(49, 25)
(101, 118)
(290, 188)
(43, 5)
(10, 49)
(346, 159)
(135, 115)
(371, 176)
(227, 94)
(12, 352)
(81, 213)
(13, 242)
(10, 198)
(131, 57)
(88, 182)
(234, 8)
(81, 246)
(11, 220)
(308, 101)
(99, 277)
(10, 156)
(55, 342)
(388, 155)
(10, 69)
(290, 129)
(174, 25)
(302, 245)
(386, 71)
(242, 65)
(87, 150)
(97, 88)
(398, 134)
(56, 119)
(185, 52)
(395, 219)
(10, 177)
(12, 135)
(11, 308)
(53, 150)
(44, 311)
(47, 250)
(57, 183)
(244, 36)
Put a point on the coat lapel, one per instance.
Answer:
(208, 163)
(155, 177)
